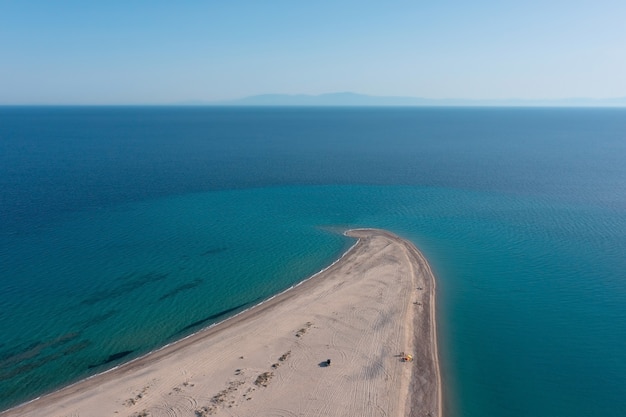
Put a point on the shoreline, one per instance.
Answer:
(432, 325)
(296, 300)
(172, 344)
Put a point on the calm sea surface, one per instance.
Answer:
(123, 229)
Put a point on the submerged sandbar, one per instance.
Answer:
(363, 313)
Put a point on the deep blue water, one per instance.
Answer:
(122, 229)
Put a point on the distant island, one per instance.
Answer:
(354, 99)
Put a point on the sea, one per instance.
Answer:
(123, 229)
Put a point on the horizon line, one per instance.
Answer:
(351, 99)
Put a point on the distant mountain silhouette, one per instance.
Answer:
(354, 99)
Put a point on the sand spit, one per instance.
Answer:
(362, 313)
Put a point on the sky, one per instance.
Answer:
(161, 52)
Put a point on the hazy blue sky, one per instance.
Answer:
(164, 51)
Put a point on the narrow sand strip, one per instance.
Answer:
(361, 313)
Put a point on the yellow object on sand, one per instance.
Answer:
(408, 358)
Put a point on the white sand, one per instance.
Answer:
(361, 313)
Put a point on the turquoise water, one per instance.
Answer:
(179, 218)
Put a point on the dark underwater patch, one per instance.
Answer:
(19, 354)
(209, 318)
(214, 251)
(181, 288)
(10, 373)
(99, 318)
(76, 348)
(33, 350)
(6, 372)
(126, 287)
(112, 358)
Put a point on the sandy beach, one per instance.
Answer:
(363, 312)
